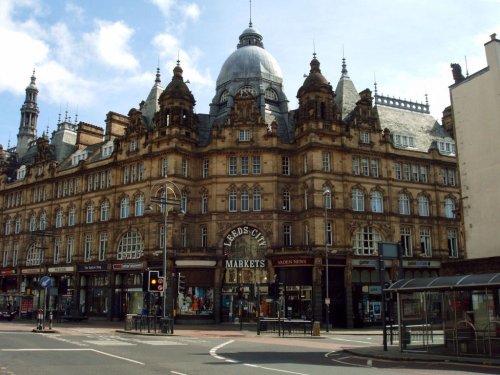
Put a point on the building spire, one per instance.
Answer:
(29, 118)
(250, 22)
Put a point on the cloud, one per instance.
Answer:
(164, 5)
(111, 44)
(192, 11)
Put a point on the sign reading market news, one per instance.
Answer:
(245, 247)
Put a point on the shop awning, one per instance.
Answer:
(459, 282)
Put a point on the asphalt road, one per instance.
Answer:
(110, 353)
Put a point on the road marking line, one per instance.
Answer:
(275, 369)
(360, 342)
(72, 350)
(177, 373)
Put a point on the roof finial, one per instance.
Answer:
(250, 23)
(314, 49)
(178, 58)
(76, 116)
(375, 83)
(466, 67)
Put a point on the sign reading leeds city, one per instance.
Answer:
(245, 247)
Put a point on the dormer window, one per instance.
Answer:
(21, 172)
(446, 147)
(244, 135)
(133, 145)
(404, 140)
(107, 150)
(365, 137)
(78, 156)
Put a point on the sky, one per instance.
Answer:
(95, 56)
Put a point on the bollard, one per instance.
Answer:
(315, 331)
(50, 319)
(39, 320)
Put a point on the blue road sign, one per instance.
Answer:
(45, 282)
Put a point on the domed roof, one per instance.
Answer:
(177, 88)
(315, 80)
(250, 60)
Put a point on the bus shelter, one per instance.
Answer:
(449, 315)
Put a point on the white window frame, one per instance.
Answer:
(452, 243)
(404, 204)
(358, 200)
(285, 166)
(406, 242)
(426, 241)
(376, 201)
(423, 206)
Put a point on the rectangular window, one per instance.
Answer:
(355, 166)
(5, 259)
(244, 201)
(326, 162)
(399, 174)
(87, 248)
(365, 137)
(256, 164)
(125, 171)
(69, 249)
(71, 216)
(244, 135)
(364, 167)
(232, 201)
(374, 168)
(204, 237)
(244, 165)
(444, 175)
(204, 172)
(424, 174)
(287, 235)
(285, 166)
(405, 233)
(329, 234)
(57, 251)
(185, 168)
(256, 200)
(103, 245)
(164, 167)
(15, 255)
(233, 166)
(306, 235)
(184, 236)
(452, 243)
(415, 173)
(425, 242)
(406, 172)
(305, 163)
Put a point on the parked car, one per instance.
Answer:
(8, 315)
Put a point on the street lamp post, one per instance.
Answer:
(165, 202)
(327, 193)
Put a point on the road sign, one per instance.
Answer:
(327, 301)
(160, 283)
(45, 282)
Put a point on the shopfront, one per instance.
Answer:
(195, 290)
(295, 276)
(62, 294)
(94, 291)
(128, 297)
(246, 275)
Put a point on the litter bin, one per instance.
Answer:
(316, 330)
(129, 322)
(406, 337)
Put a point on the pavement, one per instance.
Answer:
(392, 353)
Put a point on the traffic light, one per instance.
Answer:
(153, 278)
(181, 283)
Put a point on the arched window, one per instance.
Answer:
(124, 208)
(449, 208)
(184, 202)
(327, 200)
(130, 246)
(358, 200)
(365, 241)
(423, 205)
(247, 91)
(224, 96)
(270, 94)
(376, 201)
(404, 204)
